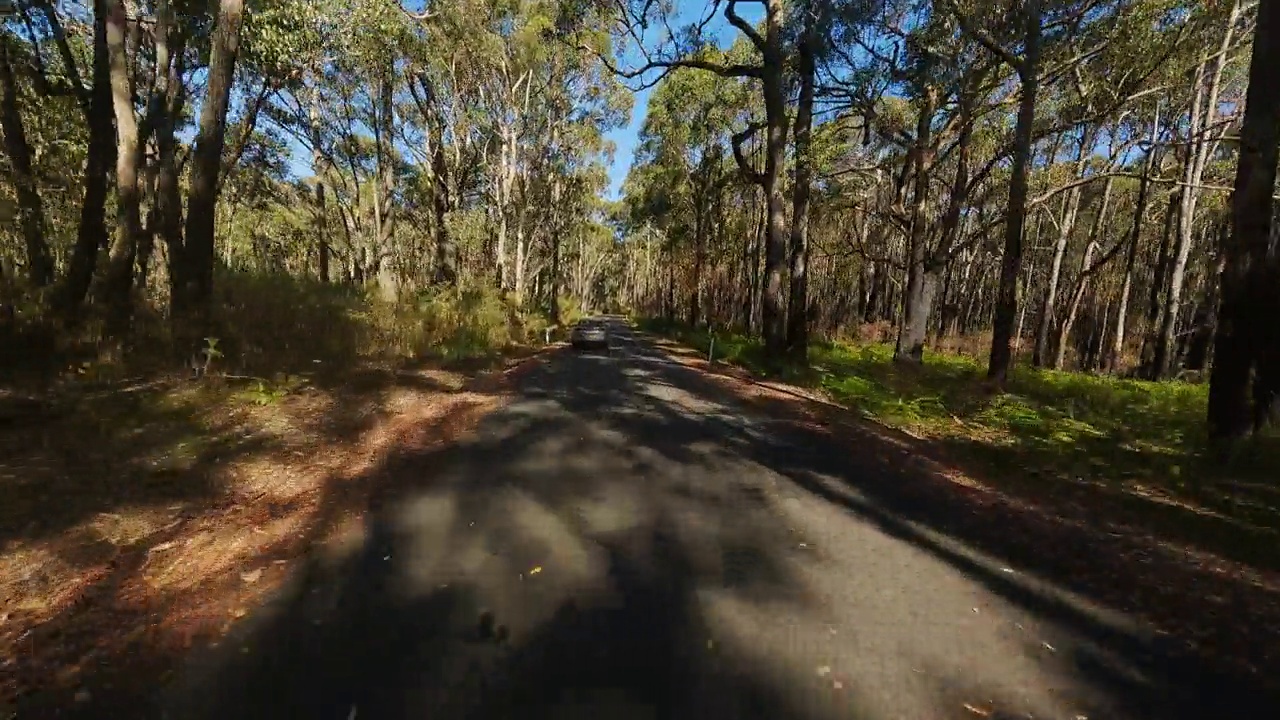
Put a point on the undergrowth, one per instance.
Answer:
(273, 327)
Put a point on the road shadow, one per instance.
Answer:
(540, 522)
(557, 564)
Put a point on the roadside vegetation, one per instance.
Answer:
(1133, 451)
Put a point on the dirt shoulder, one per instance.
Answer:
(141, 522)
(1209, 608)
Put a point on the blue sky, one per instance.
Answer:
(625, 141)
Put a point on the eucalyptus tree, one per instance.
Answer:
(1245, 381)
(685, 49)
(76, 67)
(30, 207)
(683, 157)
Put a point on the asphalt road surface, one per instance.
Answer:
(631, 540)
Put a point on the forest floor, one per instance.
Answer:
(139, 520)
(1124, 453)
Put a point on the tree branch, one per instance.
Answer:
(744, 165)
(64, 51)
(754, 71)
(731, 14)
(984, 39)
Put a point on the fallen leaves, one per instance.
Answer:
(176, 575)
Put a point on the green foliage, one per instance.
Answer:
(263, 392)
(452, 324)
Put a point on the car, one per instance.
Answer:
(588, 334)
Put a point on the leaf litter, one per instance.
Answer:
(81, 588)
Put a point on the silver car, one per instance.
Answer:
(588, 334)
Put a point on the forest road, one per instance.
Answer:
(630, 538)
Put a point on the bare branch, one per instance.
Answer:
(984, 39)
(64, 50)
(731, 14)
(666, 66)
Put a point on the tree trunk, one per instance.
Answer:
(191, 306)
(1006, 312)
(701, 182)
(521, 256)
(1082, 280)
(1200, 346)
(446, 249)
(91, 236)
(95, 106)
(775, 104)
(757, 276)
(798, 303)
(556, 232)
(318, 169)
(118, 283)
(170, 98)
(506, 179)
(1158, 280)
(1022, 306)
(1071, 209)
(748, 266)
(157, 130)
(669, 304)
(1182, 249)
(1116, 351)
(30, 208)
(921, 284)
(1203, 115)
(384, 210)
(1246, 338)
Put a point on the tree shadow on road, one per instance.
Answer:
(591, 519)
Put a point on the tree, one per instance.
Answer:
(769, 70)
(1246, 372)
